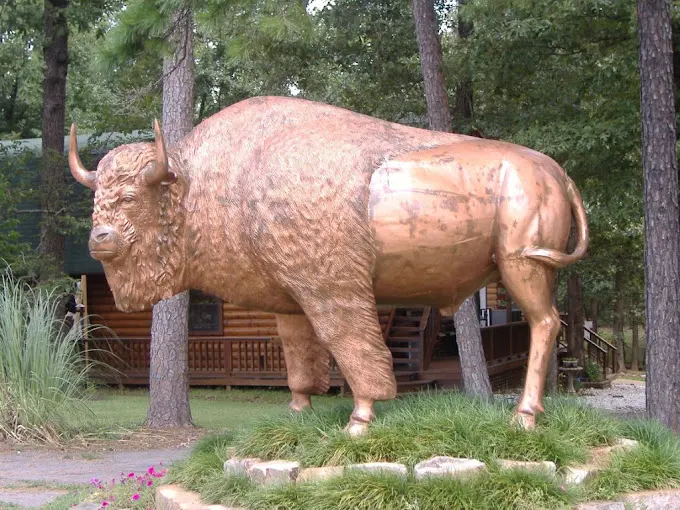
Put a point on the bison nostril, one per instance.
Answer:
(100, 238)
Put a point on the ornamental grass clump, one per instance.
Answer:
(417, 427)
(43, 374)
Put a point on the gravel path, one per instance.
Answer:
(625, 398)
(54, 467)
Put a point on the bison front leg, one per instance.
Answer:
(307, 360)
(349, 328)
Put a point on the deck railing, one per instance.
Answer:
(597, 348)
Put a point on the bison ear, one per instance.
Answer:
(78, 170)
(159, 171)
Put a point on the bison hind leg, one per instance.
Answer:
(531, 285)
(307, 360)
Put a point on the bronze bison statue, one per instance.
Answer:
(317, 214)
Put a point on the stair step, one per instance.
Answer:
(405, 361)
(414, 386)
(403, 338)
(403, 377)
(405, 329)
(417, 382)
(404, 349)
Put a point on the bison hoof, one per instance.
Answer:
(524, 421)
(356, 428)
(300, 402)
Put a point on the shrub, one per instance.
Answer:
(43, 376)
(593, 371)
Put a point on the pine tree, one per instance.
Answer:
(662, 220)
(468, 334)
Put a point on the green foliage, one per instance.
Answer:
(593, 371)
(654, 464)
(43, 377)
(360, 490)
(418, 427)
(363, 491)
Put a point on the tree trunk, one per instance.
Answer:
(575, 317)
(662, 214)
(635, 347)
(468, 335)
(431, 63)
(464, 99)
(470, 351)
(169, 371)
(52, 180)
(619, 319)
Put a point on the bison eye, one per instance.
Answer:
(128, 199)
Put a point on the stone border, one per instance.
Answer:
(174, 497)
(284, 471)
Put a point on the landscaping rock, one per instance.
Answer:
(173, 497)
(87, 506)
(653, 500)
(577, 475)
(389, 467)
(625, 444)
(545, 467)
(448, 466)
(275, 471)
(650, 500)
(320, 473)
(602, 505)
(237, 466)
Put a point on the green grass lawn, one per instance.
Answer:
(213, 409)
(442, 423)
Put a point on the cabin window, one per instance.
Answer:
(205, 314)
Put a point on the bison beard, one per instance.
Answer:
(152, 269)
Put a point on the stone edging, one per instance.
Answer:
(173, 497)
(278, 471)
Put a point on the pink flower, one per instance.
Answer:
(151, 470)
(149, 483)
(105, 503)
(135, 497)
(131, 475)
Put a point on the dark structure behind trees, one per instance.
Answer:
(662, 220)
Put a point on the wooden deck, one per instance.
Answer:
(259, 361)
(231, 346)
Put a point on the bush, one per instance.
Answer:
(592, 370)
(43, 376)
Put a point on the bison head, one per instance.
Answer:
(137, 222)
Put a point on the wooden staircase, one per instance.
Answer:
(595, 348)
(404, 332)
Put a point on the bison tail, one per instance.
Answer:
(558, 259)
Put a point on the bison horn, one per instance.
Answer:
(159, 171)
(80, 173)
